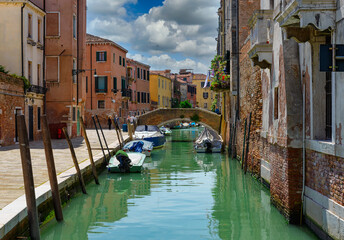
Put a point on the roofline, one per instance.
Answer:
(143, 64)
(104, 42)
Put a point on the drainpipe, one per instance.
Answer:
(77, 53)
(303, 148)
(333, 85)
(91, 79)
(44, 80)
(238, 58)
(22, 39)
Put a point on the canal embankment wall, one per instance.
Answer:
(14, 218)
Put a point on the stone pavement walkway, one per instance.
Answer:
(11, 175)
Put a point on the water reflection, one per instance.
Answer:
(180, 195)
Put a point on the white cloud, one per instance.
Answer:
(164, 61)
(180, 27)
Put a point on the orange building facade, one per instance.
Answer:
(65, 43)
(108, 93)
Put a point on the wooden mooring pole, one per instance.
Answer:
(49, 157)
(234, 138)
(100, 141)
(101, 130)
(117, 133)
(75, 161)
(89, 149)
(243, 147)
(28, 178)
(248, 143)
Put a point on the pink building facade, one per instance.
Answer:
(65, 43)
(138, 77)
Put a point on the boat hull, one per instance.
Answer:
(137, 161)
(157, 141)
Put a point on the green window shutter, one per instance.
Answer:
(123, 83)
(123, 62)
(148, 75)
(120, 60)
(115, 83)
(106, 85)
(97, 56)
(96, 84)
(105, 57)
(138, 72)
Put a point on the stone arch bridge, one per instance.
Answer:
(163, 116)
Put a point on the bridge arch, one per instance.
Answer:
(164, 115)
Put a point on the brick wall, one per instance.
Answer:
(250, 102)
(325, 174)
(11, 97)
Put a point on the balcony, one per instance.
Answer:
(36, 89)
(261, 38)
(126, 93)
(300, 14)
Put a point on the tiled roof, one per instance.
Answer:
(199, 76)
(91, 39)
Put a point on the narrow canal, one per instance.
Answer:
(181, 195)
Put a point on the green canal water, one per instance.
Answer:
(180, 195)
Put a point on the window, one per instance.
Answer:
(52, 69)
(101, 104)
(142, 97)
(148, 98)
(53, 21)
(74, 26)
(74, 114)
(138, 97)
(38, 118)
(205, 95)
(115, 83)
(75, 68)
(101, 84)
(38, 74)
(114, 58)
(86, 84)
(138, 72)
(144, 74)
(29, 69)
(29, 33)
(184, 79)
(39, 34)
(205, 105)
(202, 84)
(101, 56)
(158, 100)
(123, 62)
(148, 75)
(276, 103)
(120, 60)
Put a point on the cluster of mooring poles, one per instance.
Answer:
(245, 142)
(27, 165)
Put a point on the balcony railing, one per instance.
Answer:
(126, 93)
(261, 38)
(37, 89)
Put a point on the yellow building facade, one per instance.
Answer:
(160, 88)
(204, 96)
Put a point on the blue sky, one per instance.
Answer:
(169, 34)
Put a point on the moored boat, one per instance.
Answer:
(150, 133)
(166, 131)
(208, 141)
(124, 162)
(141, 146)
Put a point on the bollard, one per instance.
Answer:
(28, 179)
(94, 169)
(75, 161)
(49, 157)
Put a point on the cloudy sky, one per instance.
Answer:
(166, 34)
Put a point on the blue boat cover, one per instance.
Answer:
(137, 147)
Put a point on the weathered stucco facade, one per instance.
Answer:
(297, 113)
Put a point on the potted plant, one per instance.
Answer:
(220, 79)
